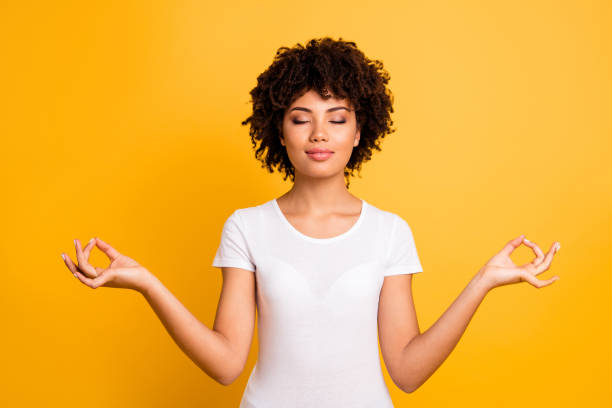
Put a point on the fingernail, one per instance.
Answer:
(526, 240)
(90, 241)
(558, 247)
(63, 257)
(75, 242)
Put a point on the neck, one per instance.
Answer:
(318, 196)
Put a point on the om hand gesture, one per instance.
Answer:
(123, 272)
(501, 270)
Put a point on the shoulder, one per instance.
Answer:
(386, 218)
(248, 215)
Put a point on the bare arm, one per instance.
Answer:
(426, 351)
(220, 352)
(207, 348)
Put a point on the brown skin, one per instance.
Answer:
(412, 357)
(329, 67)
(319, 205)
(220, 352)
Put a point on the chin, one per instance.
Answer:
(322, 172)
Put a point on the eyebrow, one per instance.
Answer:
(335, 108)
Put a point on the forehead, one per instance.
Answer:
(312, 97)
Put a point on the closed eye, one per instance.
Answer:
(298, 122)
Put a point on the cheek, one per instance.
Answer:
(292, 132)
(296, 137)
(346, 138)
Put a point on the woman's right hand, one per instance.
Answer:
(123, 272)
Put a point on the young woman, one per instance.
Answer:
(327, 272)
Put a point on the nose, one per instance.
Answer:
(318, 131)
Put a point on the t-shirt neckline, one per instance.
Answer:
(364, 206)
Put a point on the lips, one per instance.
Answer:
(319, 154)
(319, 150)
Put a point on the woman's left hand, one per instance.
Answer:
(501, 270)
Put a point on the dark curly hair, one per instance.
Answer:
(323, 65)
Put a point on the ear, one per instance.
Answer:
(357, 137)
(280, 136)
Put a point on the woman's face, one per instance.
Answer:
(313, 122)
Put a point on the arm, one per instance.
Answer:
(220, 352)
(412, 357)
(426, 351)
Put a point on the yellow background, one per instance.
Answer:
(122, 120)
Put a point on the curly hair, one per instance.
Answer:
(323, 65)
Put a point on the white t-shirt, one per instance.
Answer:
(317, 305)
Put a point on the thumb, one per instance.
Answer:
(512, 245)
(110, 252)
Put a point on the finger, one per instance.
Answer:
(512, 245)
(537, 282)
(93, 283)
(100, 280)
(545, 264)
(73, 268)
(536, 249)
(111, 252)
(68, 262)
(82, 278)
(84, 265)
(532, 269)
(88, 248)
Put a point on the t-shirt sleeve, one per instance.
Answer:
(402, 257)
(233, 250)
